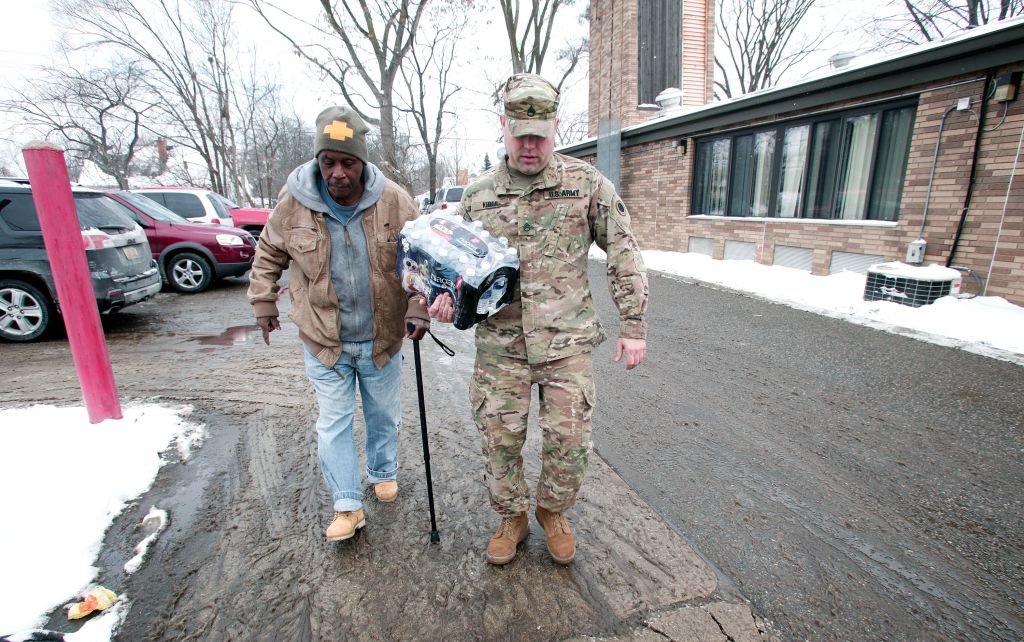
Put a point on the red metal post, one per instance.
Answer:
(51, 191)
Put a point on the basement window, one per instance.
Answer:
(844, 165)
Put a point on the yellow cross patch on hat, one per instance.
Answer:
(339, 130)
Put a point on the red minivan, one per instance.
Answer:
(190, 255)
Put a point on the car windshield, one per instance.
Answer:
(151, 208)
(223, 200)
(102, 212)
(453, 194)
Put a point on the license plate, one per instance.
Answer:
(131, 252)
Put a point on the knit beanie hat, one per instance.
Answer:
(340, 129)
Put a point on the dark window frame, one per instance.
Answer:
(833, 160)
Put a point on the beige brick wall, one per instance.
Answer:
(614, 60)
(656, 186)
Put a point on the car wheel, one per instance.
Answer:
(189, 273)
(25, 312)
(255, 230)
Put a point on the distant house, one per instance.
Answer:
(834, 173)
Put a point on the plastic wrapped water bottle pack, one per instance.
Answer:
(441, 252)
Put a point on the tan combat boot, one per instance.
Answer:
(386, 491)
(345, 524)
(502, 547)
(561, 544)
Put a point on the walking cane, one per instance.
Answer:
(434, 536)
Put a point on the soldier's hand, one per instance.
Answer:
(443, 308)
(268, 325)
(634, 349)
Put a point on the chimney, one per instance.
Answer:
(161, 152)
(639, 49)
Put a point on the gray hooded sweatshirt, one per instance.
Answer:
(350, 259)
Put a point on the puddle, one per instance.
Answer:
(234, 336)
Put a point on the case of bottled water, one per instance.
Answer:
(441, 252)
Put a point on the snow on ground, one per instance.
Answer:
(66, 479)
(989, 326)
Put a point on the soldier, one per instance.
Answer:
(550, 207)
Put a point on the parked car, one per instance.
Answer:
(120, 263)
(445, 198)
(207, 206)
(191, 256)
(197, 205)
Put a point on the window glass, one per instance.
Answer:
(102, 212)
(222, 203)
(792, 169)
(151, 208)
(821, 171)
(891, 166)
(750, 184)
(219, 205)
(764, 158)
(19, 212)
(454, 194)
(155, 197)
(848, 165)
(859, 145)
(711, 174)
(187, 205)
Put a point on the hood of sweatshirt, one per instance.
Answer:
(302, 185)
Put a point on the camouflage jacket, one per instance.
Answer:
(568, 206)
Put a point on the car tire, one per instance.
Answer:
(188, 273)
(255, 230)
(25, 311)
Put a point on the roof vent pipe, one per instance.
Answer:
(841, 59)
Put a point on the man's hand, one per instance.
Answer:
(634, 349)
(416, 328)
(268, 325)
(443, 308)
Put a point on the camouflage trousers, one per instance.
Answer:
(499, 394)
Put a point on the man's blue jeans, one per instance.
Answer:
(380, 392)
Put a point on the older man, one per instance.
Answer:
(551, 208)
(336, 226)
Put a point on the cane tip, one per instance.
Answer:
(435, 537)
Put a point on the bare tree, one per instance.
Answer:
(183, 47)
(428, 87)
(759, 40)
(378, 31)
(529, 36)
(98, 113)
(908, 22)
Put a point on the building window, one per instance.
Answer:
(846, 165)
(660, 41)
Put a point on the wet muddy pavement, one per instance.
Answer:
(853, 484)
(848, 483)
(244, 557)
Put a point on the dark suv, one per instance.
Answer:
(122, 270)
(191, 255)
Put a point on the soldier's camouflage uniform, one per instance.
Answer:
(547, 334)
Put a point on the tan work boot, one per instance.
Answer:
(502, 547)
(386, 491)
(561, 544)
(345, 524)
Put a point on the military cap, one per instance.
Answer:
(531, 104)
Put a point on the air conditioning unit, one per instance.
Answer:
(910, 285)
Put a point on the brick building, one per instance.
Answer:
(838, 172)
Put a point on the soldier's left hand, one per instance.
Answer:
(634, 349)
